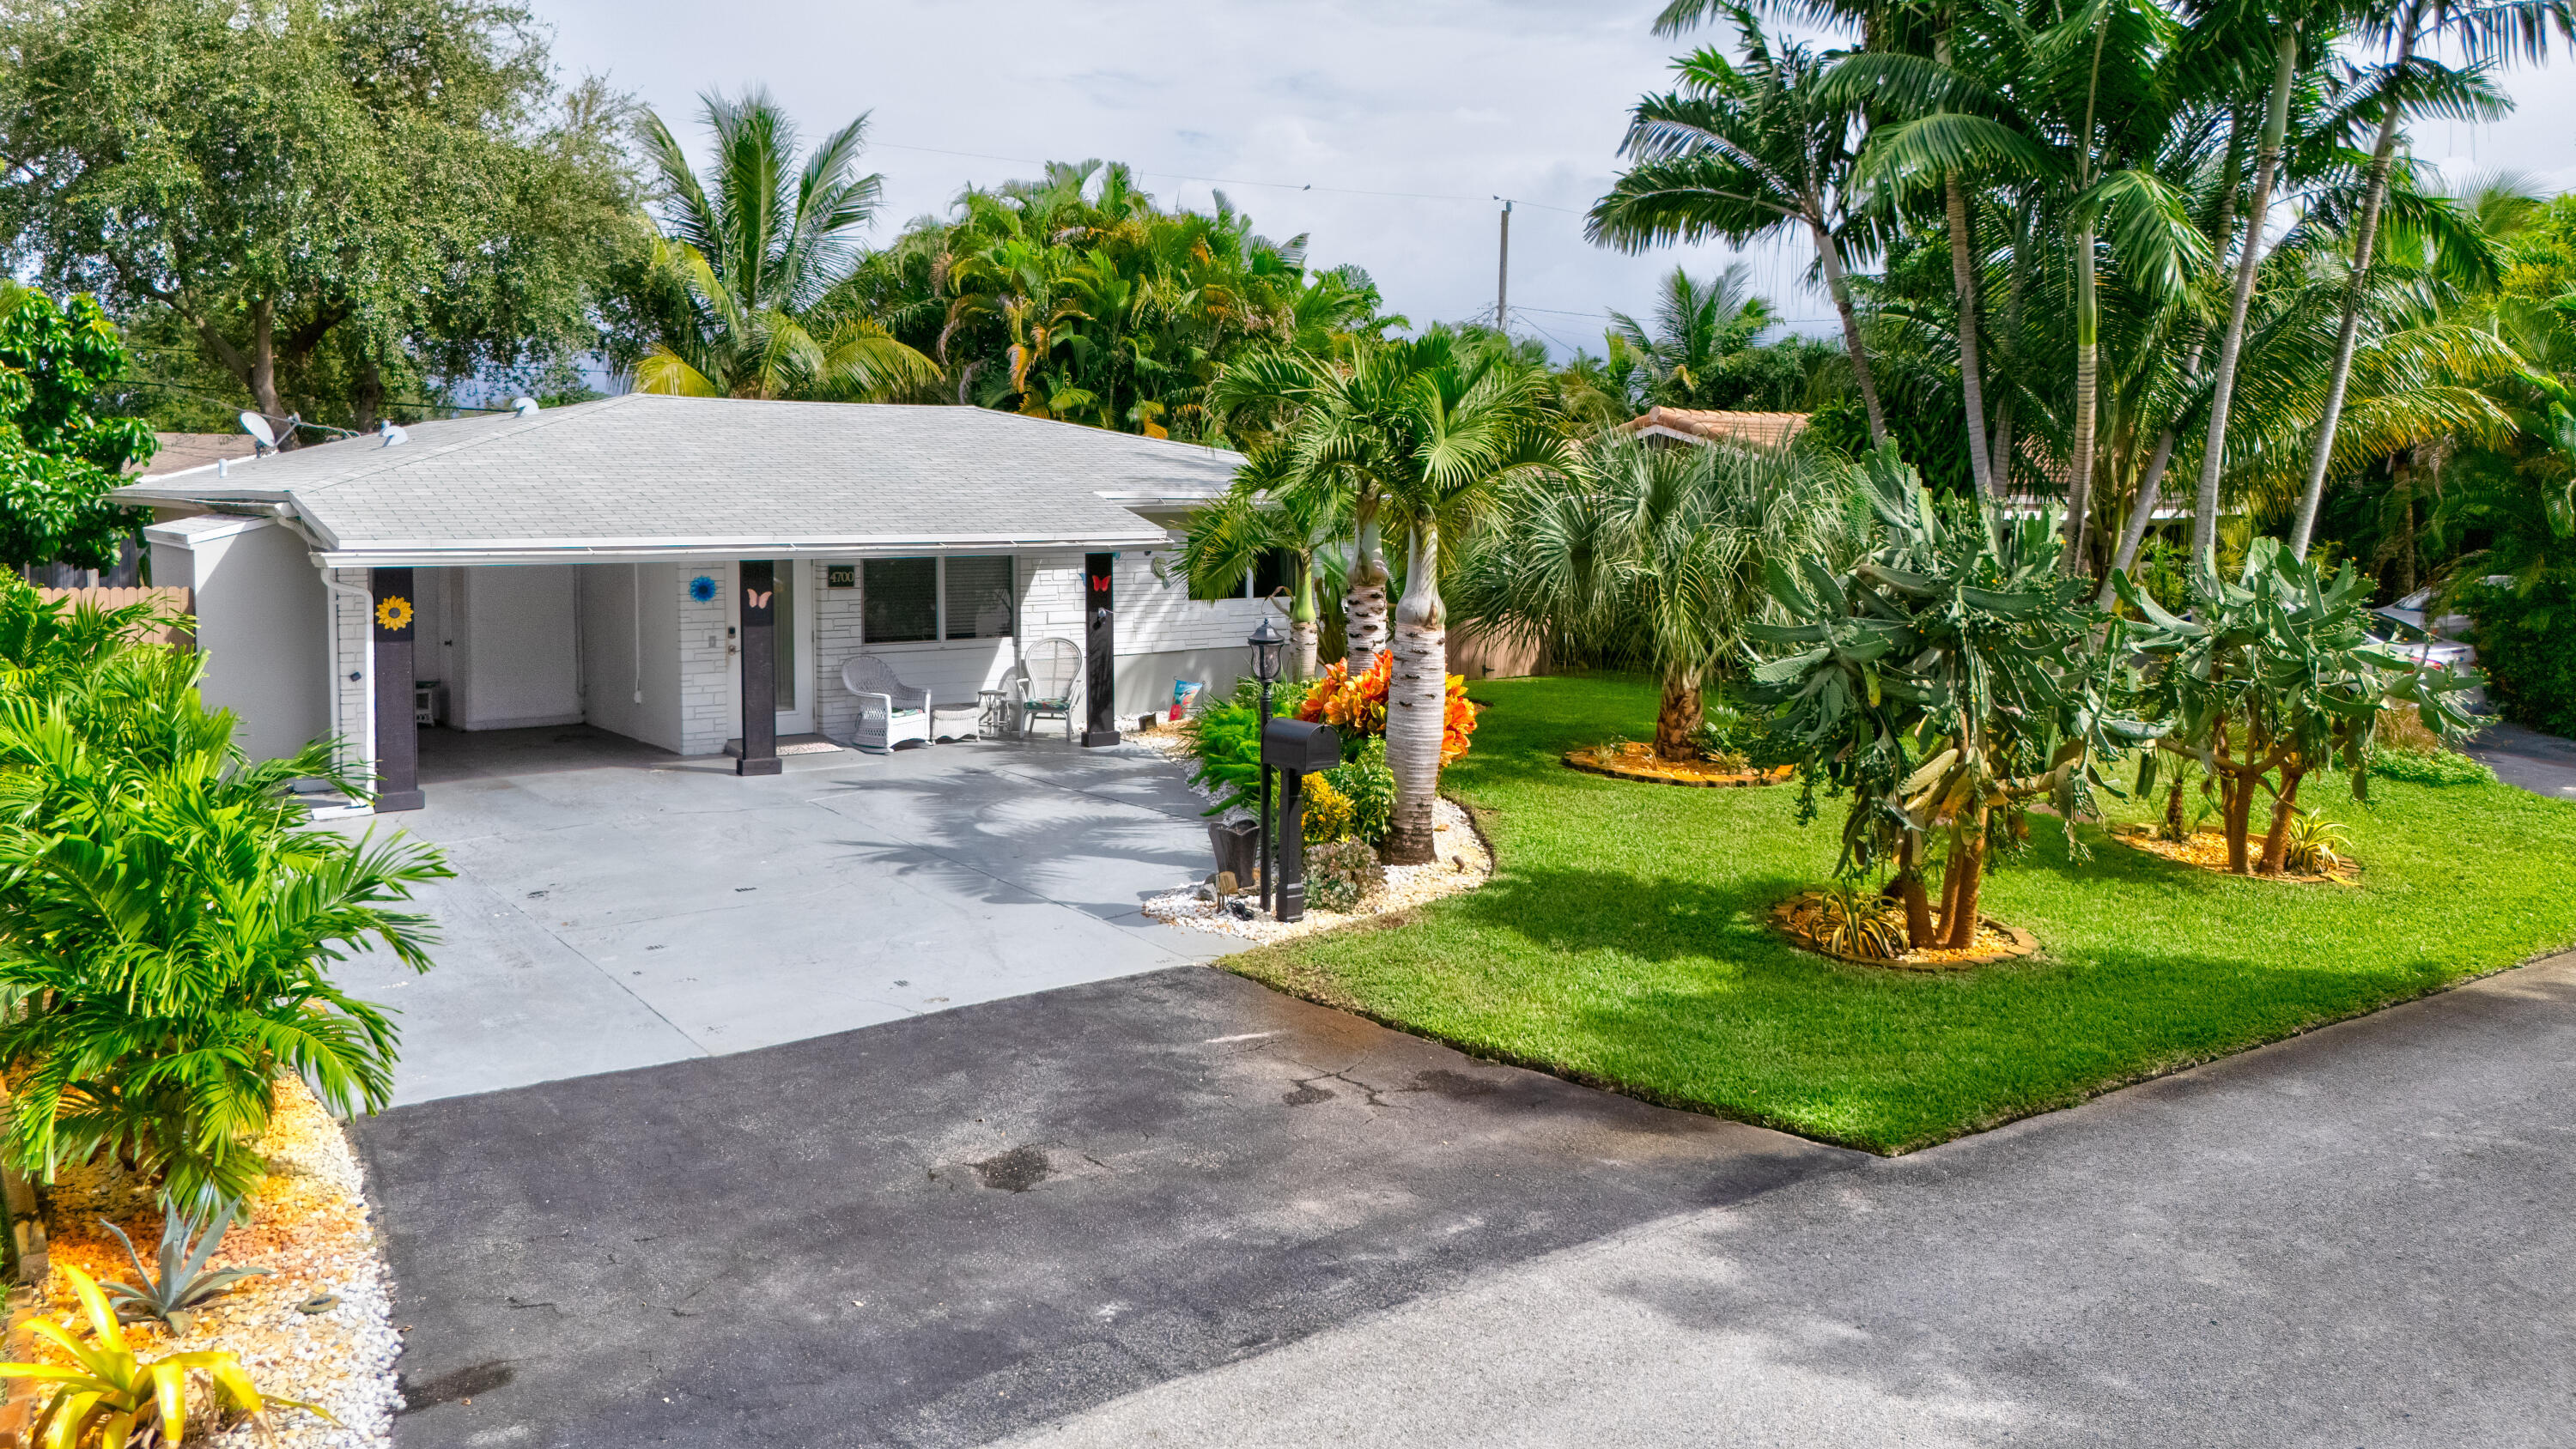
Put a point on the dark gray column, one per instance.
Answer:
(1099, 651)
(397, 736)
(759, 669)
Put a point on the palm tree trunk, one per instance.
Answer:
(2213, 458)
(2088, 369)
(1364, 602)
(2365, 237)
(1678, 715)
(2001, 464)
(1828, 258)
(1417, 693)
(2142, 513)
(1972, 382)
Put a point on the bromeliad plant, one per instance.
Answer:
(2272, 678)
(1953, 679)
(166, 923)
(109, 1398)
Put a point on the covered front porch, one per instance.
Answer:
(617, 906)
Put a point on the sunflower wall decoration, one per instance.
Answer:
(393, 613)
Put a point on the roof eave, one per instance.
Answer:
(399, 553)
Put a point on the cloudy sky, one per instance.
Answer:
(1446, 102)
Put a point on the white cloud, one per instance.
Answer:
(1449, 98)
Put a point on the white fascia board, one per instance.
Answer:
(201, 528)
(430, 554)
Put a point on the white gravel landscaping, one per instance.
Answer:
(311, 1229)
(1463, 863)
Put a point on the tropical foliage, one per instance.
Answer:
(167, 916)
(1946, 684)
(58, 456)
(109, 1397)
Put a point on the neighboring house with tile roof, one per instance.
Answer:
(592, 563)
(1710, 425)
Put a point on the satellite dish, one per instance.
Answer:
(257, 426)
(524, 406)
(394, 436)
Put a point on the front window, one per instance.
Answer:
(979, 597)
(901, 600)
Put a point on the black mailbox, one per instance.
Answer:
(1293, 744)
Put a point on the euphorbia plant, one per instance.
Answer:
(2272, 678)
(1950, 681)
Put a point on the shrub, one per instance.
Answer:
(114, 1398)
(1369, 786)
(2430, 767)
(1354, 706)
(1227, 741)
(2314, 844)
(1343, 876)
(2527, 645)
(1743, 739)
(1328, 811)
(165, 920)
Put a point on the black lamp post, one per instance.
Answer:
(1266, 643)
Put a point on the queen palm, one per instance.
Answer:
(1742, 150)
(757, 248)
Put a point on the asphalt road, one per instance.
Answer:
(941, 1230)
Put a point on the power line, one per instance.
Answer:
(1234, 180)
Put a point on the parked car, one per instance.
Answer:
(2436, 645)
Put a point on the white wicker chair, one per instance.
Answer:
(1046, 683)
(890, 711)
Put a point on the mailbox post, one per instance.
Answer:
(1298, 749)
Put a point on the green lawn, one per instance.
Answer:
(1622, 942)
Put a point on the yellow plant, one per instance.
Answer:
(1330, 815)
(2314, 844)
(112, 1399)
(1856, 921)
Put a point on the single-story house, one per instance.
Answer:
(675, 569)
(1716, 425)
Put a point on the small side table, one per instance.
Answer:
(998, 720)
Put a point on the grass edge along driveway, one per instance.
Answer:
(1622, 942)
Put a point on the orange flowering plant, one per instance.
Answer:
(1357, 706)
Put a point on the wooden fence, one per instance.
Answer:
(170, 601)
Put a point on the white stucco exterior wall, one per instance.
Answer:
(259, 625)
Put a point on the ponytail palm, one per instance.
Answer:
(758, 250)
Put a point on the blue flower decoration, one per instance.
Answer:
(703, 589)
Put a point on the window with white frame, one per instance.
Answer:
(921, 600)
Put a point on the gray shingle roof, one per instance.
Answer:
(646, 475)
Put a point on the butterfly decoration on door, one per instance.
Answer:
(757, 598)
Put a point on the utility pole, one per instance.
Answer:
(1503, 275)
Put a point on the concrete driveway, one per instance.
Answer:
(1178, 1209)
(616, 906)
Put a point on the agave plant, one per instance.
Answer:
(188, 1243)
(109, 1398)
(1855, 921)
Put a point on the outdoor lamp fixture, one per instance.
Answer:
(1265, 642)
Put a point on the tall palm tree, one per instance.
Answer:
(2072, 112)
(758, 248)
(1699, 327)
(1740, 151)
(1654, 555)
(2485, 32)
(1258, 516)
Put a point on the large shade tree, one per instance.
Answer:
(332, 205)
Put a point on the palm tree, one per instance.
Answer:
(2484, 31)
(1257, 516)
(1699, 328)
(757, 249)
(1651, 554)
(2073, 113)
(168, 924)
(1740, 151)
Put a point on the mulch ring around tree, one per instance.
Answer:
(1640, 762)
(2207, 850)
(1799, 919)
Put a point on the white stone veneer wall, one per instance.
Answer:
(708, 703)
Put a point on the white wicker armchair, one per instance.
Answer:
(1046, 681)
(890, 711)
